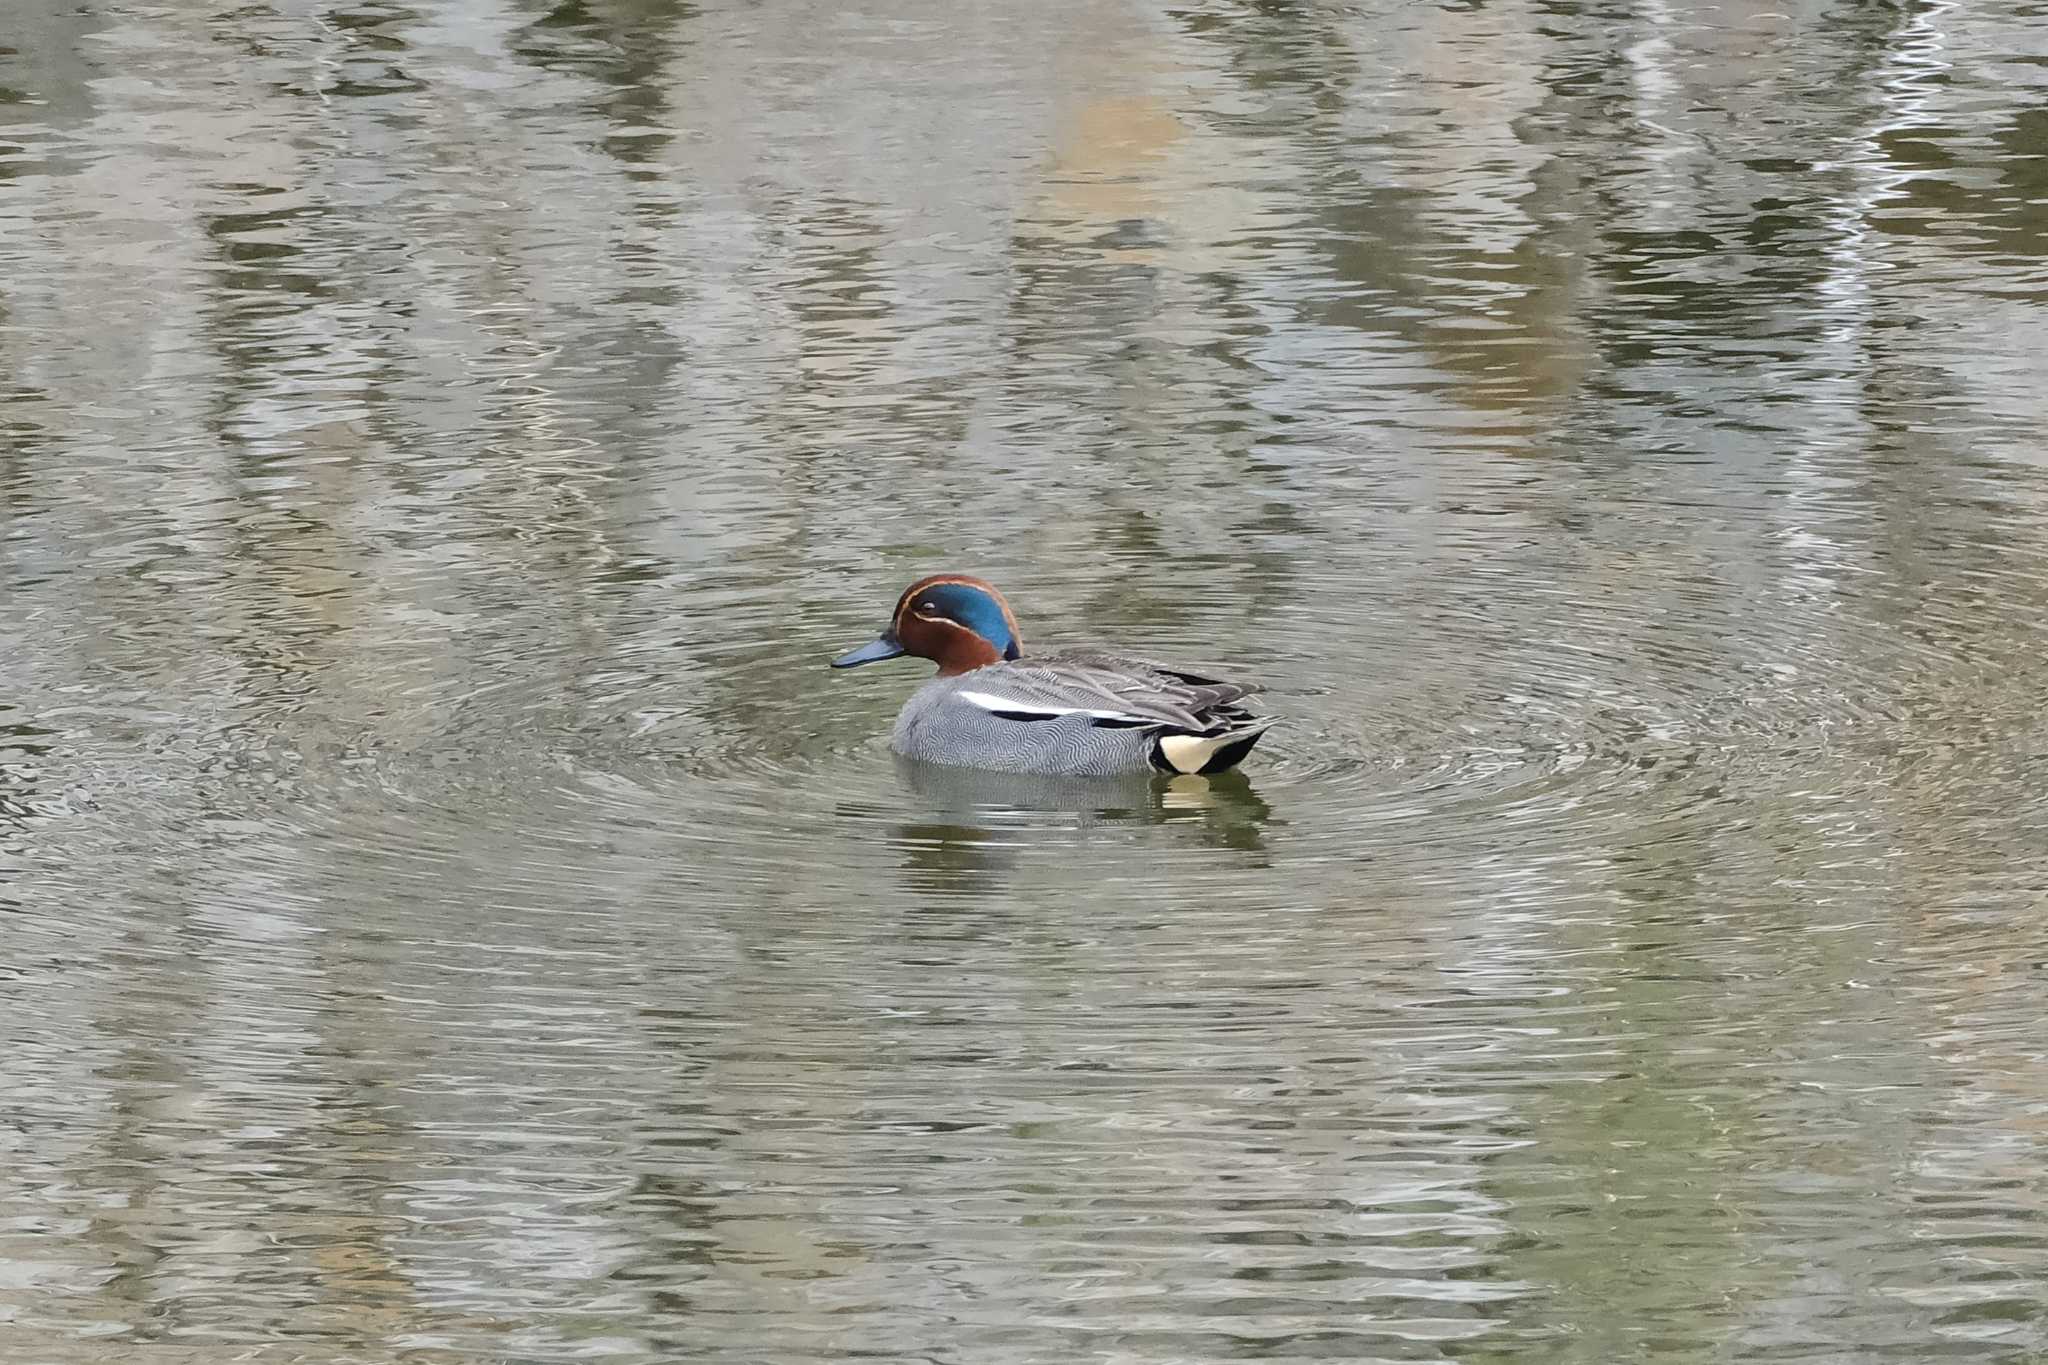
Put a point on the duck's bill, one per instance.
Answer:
(883, 647)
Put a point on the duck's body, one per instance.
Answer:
(1077, 715)
(1083, 714)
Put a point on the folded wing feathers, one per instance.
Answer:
(1105, 687)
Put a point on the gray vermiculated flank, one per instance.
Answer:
(939, 725)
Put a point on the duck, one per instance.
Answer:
(1083, 713)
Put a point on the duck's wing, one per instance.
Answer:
(1110, 690)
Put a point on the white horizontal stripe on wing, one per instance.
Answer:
(988, 701)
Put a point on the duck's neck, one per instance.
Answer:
(964, 652)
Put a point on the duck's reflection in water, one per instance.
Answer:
(982, 823)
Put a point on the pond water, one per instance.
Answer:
(451, 913)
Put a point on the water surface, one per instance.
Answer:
(452, 914)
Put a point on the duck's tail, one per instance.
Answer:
(1207, 754)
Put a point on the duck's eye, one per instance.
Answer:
(927, 609)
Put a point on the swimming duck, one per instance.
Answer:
(1079, 714)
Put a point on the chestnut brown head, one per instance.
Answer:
(959, 623)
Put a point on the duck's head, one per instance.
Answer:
(957, 622)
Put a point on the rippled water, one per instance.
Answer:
(451, 913)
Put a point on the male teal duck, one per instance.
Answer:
(1076, 714)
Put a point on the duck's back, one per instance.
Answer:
(1084, 714)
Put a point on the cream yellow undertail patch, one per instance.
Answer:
(1190, 753)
